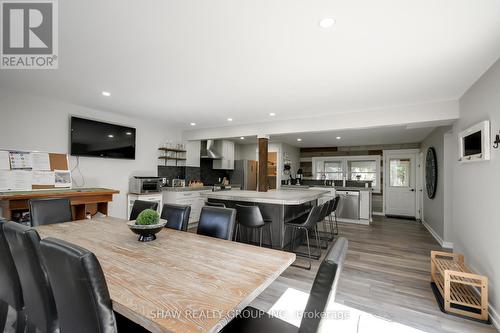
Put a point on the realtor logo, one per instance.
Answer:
(29, 34)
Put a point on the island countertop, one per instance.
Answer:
(278, 197)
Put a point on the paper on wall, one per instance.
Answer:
(40, 161)
(20, 160)
(4, 160)
(21, 180)
(44, 178)
(62, 178)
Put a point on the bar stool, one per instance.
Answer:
(251, 217)
(309, 224)
(327, 220)
(334, 211)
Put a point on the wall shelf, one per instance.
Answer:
(172, 150)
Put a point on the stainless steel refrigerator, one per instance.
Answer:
(245, 173)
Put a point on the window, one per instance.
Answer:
(363, 170)
(399, 172)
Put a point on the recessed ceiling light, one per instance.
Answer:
(192, 124)
(128, 133)
(111, 136)
(299, 139)
(229, 119)
(338, 138)
(272, 114)
(327, 23)
(106, 93)
(242, 138)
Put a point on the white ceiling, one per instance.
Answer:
(205, 61)
(355, 137)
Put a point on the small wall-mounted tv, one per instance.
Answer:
(474, 143)
(98, 139)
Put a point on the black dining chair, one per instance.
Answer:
(80, 290)
(322, 295)
(177, 216)
(10, 287)
(141, 205)
(215, 204)
(251, 218)
(40, 307)
(49, 211)
(217, 222)
(309, 224)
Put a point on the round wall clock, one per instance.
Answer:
(431, 172)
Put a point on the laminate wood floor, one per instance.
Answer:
(386, 275)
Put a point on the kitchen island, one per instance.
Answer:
(278, 206)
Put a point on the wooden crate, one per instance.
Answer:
(464, 292)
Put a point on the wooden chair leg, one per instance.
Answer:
(4, 311)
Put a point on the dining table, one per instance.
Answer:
(180, 282)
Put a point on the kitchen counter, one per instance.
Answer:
(337, 188)
(278, 197)
(186, 189)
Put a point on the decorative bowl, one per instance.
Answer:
(147, 233)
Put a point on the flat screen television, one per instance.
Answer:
(474, 143)
(98, 139)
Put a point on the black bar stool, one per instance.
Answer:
(334, 211)
(309, 224)
(250, 217)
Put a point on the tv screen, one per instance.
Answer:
(98, 139)
(472, 144)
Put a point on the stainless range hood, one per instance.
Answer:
(208, 150)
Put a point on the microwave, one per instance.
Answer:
(144, 185)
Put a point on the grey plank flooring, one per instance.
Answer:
(386, 274)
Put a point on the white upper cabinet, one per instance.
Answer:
(193, 153)
(226, 148)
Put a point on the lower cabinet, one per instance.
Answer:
(190, 198)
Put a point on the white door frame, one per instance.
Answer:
(420, 186)
(418, 176)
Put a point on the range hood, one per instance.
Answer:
(208, 150)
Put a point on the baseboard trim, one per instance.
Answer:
(446, 245)
(378, 213)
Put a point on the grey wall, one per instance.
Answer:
(32, 123)
(476, 187)
(434, 208)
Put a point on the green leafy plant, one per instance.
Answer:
(148, 217)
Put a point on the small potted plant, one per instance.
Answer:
(147, 225)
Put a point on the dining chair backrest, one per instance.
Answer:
(80, 290)
(49, 211)
(141, 205)
(331, 206)
(324, 211)
(177, 216)
(249, 216)
(324, 288)
(217, 222)
(24, 244)
(10, 286)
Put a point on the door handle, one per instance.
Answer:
(413, 190)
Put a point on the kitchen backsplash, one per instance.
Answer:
(205, 173)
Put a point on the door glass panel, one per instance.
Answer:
(399, 172)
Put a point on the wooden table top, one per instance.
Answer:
(181, 282)
(56, 193)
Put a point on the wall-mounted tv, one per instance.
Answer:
(474, 143)
(98, 139)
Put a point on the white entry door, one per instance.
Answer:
(400, 183)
